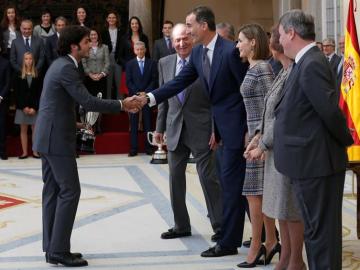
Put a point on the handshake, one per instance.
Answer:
(135, 103)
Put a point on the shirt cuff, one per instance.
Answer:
(121, 105)
(1, 98)
(152, 99)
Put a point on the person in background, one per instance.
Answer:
(51, 45)
(226, 30)
(141, 78)
(10, 26)
(112, 36)
(320, 45)
(163, 46)
(81, 17)
(28, 89)
(46, 28)
(253, 45)
(331, 56)
(339, 70)
(279, 200)
(4, 90)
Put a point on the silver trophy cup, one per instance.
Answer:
(160, 155)
(85, 137)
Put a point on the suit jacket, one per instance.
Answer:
(4, 76)
(6, 36)
(18, 50)
(120, 43)
(28, 96)
(310, 133)
(226, 75)
(55, 129)
(194, 112)
(334, 62)
(127, 50)
(51, 47)
(97, 62)
(136, 82)
(161, 49)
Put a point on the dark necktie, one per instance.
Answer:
(27, 45)
(169, 44)
(206, 65)
(181, 95)
(141, 65)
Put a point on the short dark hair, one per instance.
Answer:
(168, 22)
(255, 31)
(95, 29)
(70, 35)
(204, 14)
(44, 11)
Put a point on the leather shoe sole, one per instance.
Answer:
(171, 234)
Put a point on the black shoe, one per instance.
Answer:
(66, 259)
(132, 154)
(247, 243)
(76, 255)
(35, 156)
(3, 157)
(23, 157)
(171, 234)
(276, 249)
(216, 237)
(261, 253)
(219, 251)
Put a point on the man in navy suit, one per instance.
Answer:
(310, 140)
(141, 77)
(51, 45)
(217, 64)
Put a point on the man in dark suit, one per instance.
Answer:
(27, 43)
(55, 140)
(339, 70)
(310, 141)
(51, 44)
(163, 46)
(141, 77)
(187, 120)
(331, 56)
(4, 90)
(217, 64)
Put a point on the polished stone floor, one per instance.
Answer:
(123, 210)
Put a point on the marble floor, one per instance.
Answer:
(124, 208)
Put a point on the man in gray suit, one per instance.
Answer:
(163, 46)
(55, 140)
(186, 118)
(27, 43)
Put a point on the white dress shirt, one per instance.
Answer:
(301, 53)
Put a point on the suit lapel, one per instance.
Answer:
(173, 64)
(216, 62)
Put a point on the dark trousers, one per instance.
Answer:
(3, 113)
(61, 193)
(320, 201)
(134, 123)
(234, 203)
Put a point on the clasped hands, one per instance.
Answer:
(253, 152)
(135, 103)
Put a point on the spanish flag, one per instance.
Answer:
(350, 85)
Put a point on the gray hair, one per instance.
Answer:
(331, 41)
(230, 29)
(139, 44)
(300, 22)
(61, 18)
(176, 27)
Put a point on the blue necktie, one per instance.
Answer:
(206, 65)
(169, 45)
(27, 45)
(181, 95)
(141, 65)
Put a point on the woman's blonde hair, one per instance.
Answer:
(33, 70)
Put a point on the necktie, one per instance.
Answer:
(206, 65)
(181, 95)
(27, 45)
(168, 41)
(141, 65)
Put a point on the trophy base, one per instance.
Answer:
(159, 161)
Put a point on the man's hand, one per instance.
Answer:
(141, 99)
(212, 142)
(159, 137)
(131, 104)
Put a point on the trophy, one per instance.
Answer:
(159, 156)
(85, 137)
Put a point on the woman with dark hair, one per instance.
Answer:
(81, 17)
(46, 28)
(112, 37)
(10, 25)
(278, 196)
